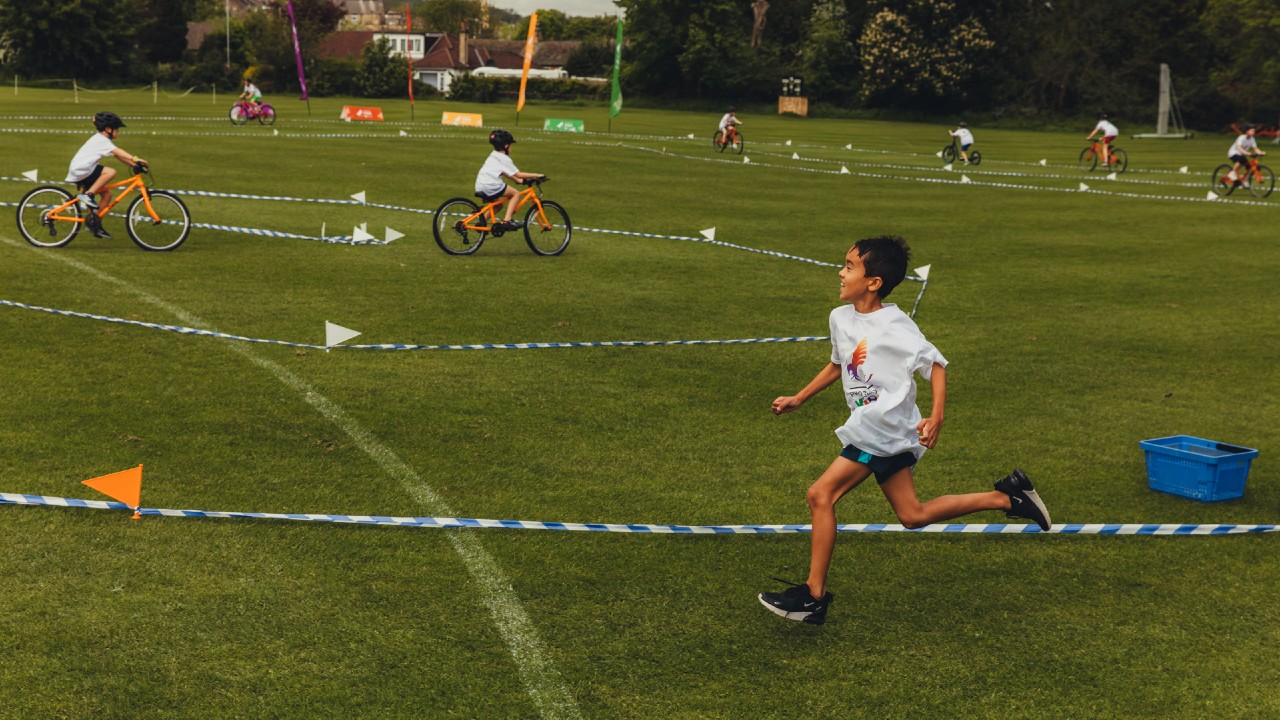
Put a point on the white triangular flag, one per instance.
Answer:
(364, 226)
(745, 159)
(788, 143)
(393, 235)
(795, 156)
(404, 134)
(336, 335)
(31, 175)
(923, 271)
(692, 136)
(947, 166)
(1183, 169)
(361, 235)
(358, 197)
(844, 170)
(1083, 187)
(939, 153)
(709, 233)
(849, 146)
(274, 131)
(1212, 195)
(1043, 163)
(965, 179)
(1112, 176)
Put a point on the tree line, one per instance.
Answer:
(993, 58)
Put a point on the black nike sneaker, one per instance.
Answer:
(796, 603)
(1023, 499)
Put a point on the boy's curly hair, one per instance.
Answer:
(885, 257)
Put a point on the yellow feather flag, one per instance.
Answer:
(528, 58)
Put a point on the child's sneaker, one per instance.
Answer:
(86, 201)
(796, 603)
(1024, 502)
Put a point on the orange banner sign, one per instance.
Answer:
(356, 112)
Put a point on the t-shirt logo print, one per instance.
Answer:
(861, 390)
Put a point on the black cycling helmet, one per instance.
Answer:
(733, 110)
(500, 139)
(1102, 116)
(104, 120)
(961, 124)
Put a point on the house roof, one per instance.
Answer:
(344, 43)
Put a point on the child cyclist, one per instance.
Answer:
(1109, 133)
(730, 120)
(1245, 145)
(490, 181)
(90, 177)
(252, 95)
(875, 350)
(966, 140)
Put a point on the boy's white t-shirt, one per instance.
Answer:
(1242, 145)
(489, 179)
(88, 156)
(878, 354)
(965, 137)
(726, 120)
(1109, 130)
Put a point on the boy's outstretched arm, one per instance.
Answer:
(930, 427)
(826, 376)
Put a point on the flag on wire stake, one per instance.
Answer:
(297, 54)
(408, 53)
(615, 97)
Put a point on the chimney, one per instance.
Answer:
(462, 45)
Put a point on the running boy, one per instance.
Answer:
(1244, 146)
(1109, 133)
(730, 120)
(966, 140)
(490, 183)
(875, 350)
(90, 177)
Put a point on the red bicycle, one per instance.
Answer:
(244, 111)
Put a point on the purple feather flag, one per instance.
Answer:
(297, 51)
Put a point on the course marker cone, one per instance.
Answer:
(923, 271)
(393, 235)
(360, 235)
(1112, 176)
(939, 153)
(844, 170)
(788, 143)
(947, 166)
(404, 134)
(125, 486)
(336, 335)
(275, 131)
(795, 156)
(692, 136)
(745, 160)
(1212, 195)
(359, 197)
(1043, 162)
(709, 233)
(31, 175)
(1183, 169)
(965, 179)
(849, 146)
(1083, 187)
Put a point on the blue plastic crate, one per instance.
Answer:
(1197, 468)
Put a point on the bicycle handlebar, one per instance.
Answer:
(535, 181)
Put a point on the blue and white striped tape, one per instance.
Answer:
(653, 529)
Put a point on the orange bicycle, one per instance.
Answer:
(1257, 178)
(50, 217)
(730, 137)
(461, 226)
(1092, 155)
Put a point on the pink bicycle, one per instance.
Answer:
(244, 111)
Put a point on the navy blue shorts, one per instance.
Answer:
(88, 181)
(883, 467)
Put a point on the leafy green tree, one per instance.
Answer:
(161, 32)
(552, 25)
(591, 59)
(1246, 40)
(85, 39)
(916, 53)
(449, 15)
(600, 28)
(382, 74)
(828, 56)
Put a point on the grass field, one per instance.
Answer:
(1076, 324)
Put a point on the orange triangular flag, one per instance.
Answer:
(125, 486)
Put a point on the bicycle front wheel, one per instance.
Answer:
(1119, 160)
(1262, 182)
(162, 226)
(975, 158)
(236, 115)
(547, 232)
(35, 224)
(450, 230)
(738, 144)
(1088, 159)
(1221, 185)
(267, 115)
(949, 154)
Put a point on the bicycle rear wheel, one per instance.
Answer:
(1221, 185)
(550, 237)
(450, 232)
(34, 222)
(163, 226)
(718, 140)
(1262, 182)
(1119, 160)
(1088, 159)
(949, 154)
(267, 115)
